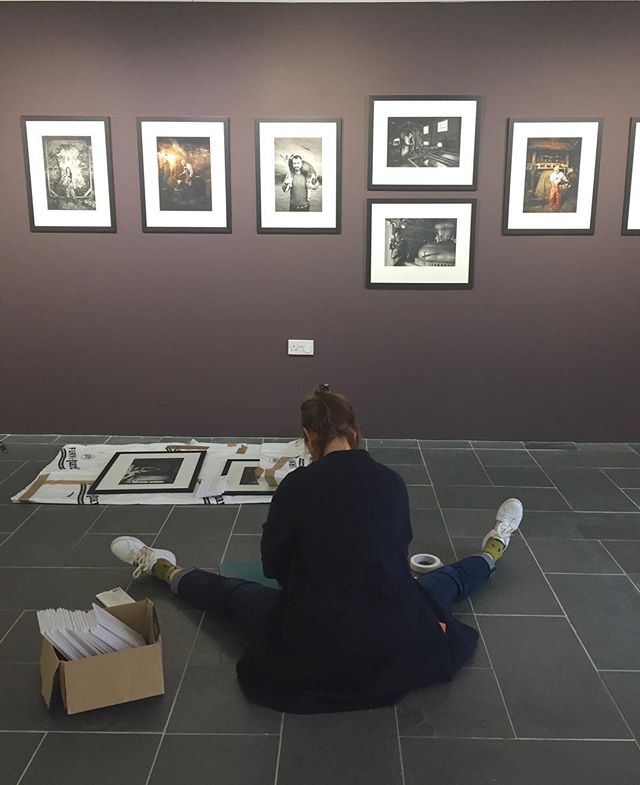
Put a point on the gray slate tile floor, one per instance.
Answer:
(551, 695)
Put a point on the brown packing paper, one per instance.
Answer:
(270, 474)
(43, 479)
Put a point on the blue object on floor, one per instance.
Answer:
(248, 570)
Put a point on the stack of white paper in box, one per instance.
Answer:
(77, 634)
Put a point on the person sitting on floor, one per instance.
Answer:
(350, 626)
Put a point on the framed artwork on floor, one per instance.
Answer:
(298, 165)
(184, 174)
(69, 174)
(420, 244)
(551, 176)
(631, 219)
(427, 142)
(149, 472)
(245, 478)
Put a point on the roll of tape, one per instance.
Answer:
(425, 562)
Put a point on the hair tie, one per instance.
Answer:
(323, 388)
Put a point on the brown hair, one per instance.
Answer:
(330, 415)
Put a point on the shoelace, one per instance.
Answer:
(505, 528)
(144, 560)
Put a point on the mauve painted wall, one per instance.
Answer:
(177, 334)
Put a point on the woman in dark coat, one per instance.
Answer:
(350, 626)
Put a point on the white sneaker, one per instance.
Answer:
(133, 551)
(508, 519)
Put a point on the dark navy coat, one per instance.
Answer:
(351, 628)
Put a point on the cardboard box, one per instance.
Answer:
(108, 679)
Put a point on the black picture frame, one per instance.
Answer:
(186, 188)
(444, 261)
(631, 211)
(317, 142)
(242, 489)
(69, 173)
(104, 484)
(571, 145)
(423, 142)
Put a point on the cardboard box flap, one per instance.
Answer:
(109, 679)
(48, 669)
(140, 616)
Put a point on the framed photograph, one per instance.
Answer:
(423, 142)
(420, 244)
(243, 479)
(551, 176)
(69, 174)
(631, 220)
(184, 174)
(298, 176)
(149, 472)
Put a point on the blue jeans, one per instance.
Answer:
(250, 603)
(454, 582)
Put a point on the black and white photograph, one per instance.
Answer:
(423, 142)
(298, 175)
(69, 174)
(244, 478)
(184, 174)
(552, 168)
(420, 243)
(149, 472)
(631, 218)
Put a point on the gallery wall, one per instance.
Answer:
(134, 333)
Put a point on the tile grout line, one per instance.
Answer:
(524, 615)
(599, 574)
(277, 770)
(9, 476)
(534, 459)
(484, 468)
(233, 526)
(20, 615)
(624, 572)
(15, 531)
(175, 698)
(586, 651)
(402, 777)
(622, 490)
(57, 731)
(473, 610)
(35, 752)
(520, 738)
(605, 469)
(105, 507)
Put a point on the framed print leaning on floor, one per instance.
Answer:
(631, 219)
(298, 175)
(423, 142)
(420, 244)
(69, 174)
(149, 472)
(184, 174)
(551, 176)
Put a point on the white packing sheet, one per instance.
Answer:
(69, 476)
